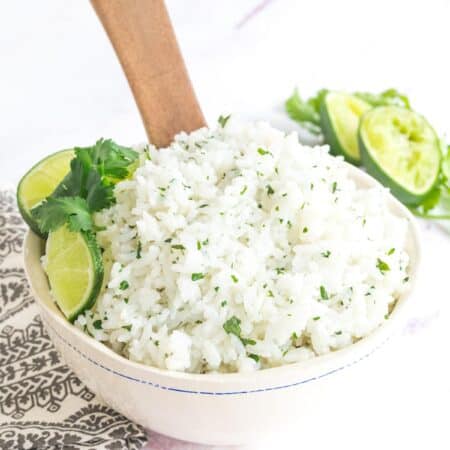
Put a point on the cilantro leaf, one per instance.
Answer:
(223, 120)
(109, 159)
(233, 326)
(99, 194)
(73, 183)
(306, 112)
(54, 212)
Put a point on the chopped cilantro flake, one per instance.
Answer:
(323, 293)
(223, 120)
(382, 266)
(139, 250)
(233, 326)
(197, 276)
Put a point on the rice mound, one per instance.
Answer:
(238, 248)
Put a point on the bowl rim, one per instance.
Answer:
(338, 359)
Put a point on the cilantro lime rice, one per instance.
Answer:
(237, 249)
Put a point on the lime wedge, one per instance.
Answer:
(74, 267)
(339, 118)
(401, 149)
(39, 182)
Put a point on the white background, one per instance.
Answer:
(61, 85)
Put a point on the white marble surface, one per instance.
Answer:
(61, 85)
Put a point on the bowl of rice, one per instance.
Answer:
(246, 273)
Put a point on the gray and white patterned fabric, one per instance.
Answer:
(43, 405)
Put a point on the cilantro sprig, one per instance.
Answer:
(87, 188)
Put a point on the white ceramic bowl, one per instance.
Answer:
(213, 408)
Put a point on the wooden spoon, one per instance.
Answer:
(143, 38)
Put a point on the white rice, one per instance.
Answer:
(284, 240)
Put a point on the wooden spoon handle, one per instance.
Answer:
(143, 38)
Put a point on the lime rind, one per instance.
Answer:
(340, 114)
(400, 149)
(75, 271)
(39, 182)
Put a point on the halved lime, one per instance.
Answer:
(401, 149)
(40, 181)
(339, 118)
(74, 267)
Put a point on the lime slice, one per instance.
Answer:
(401, 150)
(74, 267)
(39, 182)
(339, 117)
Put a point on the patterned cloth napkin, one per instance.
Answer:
(43, 405)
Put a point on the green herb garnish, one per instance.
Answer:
(323, 293)
(197, 276)
(223, 120)
(124, 285)
(233, 326)
(382, 266)
(139, 250)
(306, 112)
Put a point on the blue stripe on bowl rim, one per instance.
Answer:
(219, 393)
